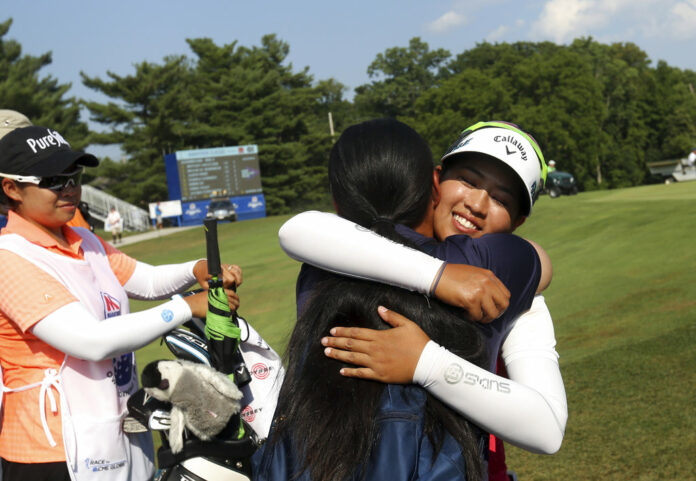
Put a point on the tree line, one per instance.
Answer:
(601, 111)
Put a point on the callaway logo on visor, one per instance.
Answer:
(509, 139)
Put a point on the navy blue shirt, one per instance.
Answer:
(512, 259)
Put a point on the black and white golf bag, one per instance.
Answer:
(226, 457)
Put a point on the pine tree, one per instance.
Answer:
(42, 99)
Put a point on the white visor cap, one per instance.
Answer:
(510, 148)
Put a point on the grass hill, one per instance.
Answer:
(623, 299)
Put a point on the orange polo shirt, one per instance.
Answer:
(27, 295)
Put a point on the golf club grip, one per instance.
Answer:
(212, 247)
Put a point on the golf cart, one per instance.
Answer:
(673, 170)
(221, 209)
(558, 183)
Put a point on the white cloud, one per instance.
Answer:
(447, 22)
(498, 33)
(563, 20)
(682, 20)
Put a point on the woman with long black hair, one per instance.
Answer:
(332, 428)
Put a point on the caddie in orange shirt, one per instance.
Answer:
(66, 335)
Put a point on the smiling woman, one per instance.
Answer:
(478, 196)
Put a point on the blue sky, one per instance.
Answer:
(334, 39)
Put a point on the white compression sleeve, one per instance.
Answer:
(335, 244)
(529, 409)
(73, 330)
(159, 282)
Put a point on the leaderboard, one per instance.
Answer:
(221, 171)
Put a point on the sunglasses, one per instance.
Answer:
(56, 183)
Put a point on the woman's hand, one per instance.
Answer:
(389, 356)
(231, 274)
(478, 291)
(199, 302)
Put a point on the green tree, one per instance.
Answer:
(598, 109)
(401, 75)
(145, 121)
(42, 99)
(672, 123)
(249, 95)
(558, 100)
(623, 73)
(442, 113)
(228, 95)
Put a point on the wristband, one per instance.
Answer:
(437, 279)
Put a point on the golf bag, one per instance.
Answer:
(227, 343)
(225, 458)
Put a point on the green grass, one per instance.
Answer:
(623, 304)
(624, 309)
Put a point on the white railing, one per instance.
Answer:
(134, 218)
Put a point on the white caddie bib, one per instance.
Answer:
(92, 395)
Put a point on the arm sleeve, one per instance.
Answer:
(337, 245)
(528, 410)
(73, 330)
(159, 282)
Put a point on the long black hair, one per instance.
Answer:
(380, 173)
(331, 419)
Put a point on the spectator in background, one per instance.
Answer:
(552, 166)
(691, 159)
(158, 216)
(114, 223)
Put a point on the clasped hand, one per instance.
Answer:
(478, 291)
(231, 279)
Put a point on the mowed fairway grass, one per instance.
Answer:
(623, 299)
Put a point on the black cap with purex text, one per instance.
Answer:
(39, 151)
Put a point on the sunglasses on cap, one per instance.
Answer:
(56, 183)
(515, 128)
